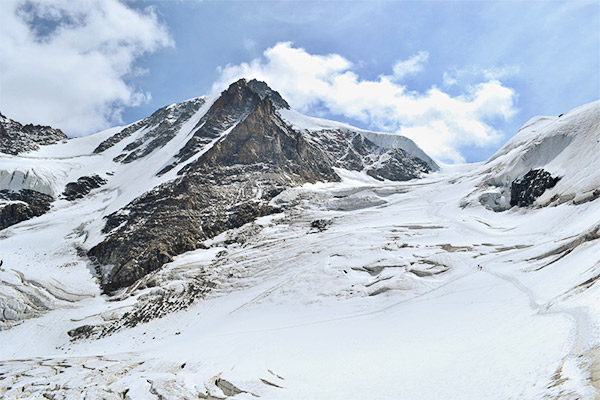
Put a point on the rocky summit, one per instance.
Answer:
(240, 155)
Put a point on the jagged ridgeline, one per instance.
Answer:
(240, 154)
(16, 138)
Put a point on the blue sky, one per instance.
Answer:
(459, 77)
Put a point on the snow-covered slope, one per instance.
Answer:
(351, 289)
(385, 140)
(564, 146)
(124, 164)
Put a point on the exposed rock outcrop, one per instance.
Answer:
(233, 106)
(525, 190)
(78, 190)
(519, 174)
(21, 206)
(353, 151)
(16, 138)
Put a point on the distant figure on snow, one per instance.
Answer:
(479, 267)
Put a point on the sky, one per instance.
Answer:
(458, 77)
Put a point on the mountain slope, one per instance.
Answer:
(318, 280)
(564, 147)
(229, 186)
(241, 154)
(163, 185)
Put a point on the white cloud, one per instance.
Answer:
(67, 63)
(441, 124)
(411, 66)
(468, 75)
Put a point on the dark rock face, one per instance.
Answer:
(232, 107)
(21, 206)
(264, 138)
(525, 190)
(253, 156)
(264, 91)
(176, 217)
(78, 190)
(16, 138)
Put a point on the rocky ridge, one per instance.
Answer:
(351, 150)
(160, 128)
(16, 138)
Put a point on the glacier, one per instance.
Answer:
(352, 289)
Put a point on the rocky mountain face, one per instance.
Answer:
(16, 138)
(254, 157)
(218, 162)
(20, 206)
(233, 106)
(525, 190)
(83, 185)
(353, 151)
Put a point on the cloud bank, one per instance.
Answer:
(438, 122)
(68, 63)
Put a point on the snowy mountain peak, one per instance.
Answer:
(238, 157)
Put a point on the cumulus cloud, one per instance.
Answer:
(68, 63)
(438, 122)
